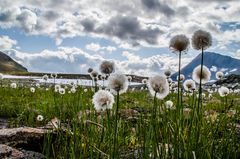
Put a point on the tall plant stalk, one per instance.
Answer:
(115, 127)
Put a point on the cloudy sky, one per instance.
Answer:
(72, 35)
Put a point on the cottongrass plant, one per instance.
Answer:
(219, 75)
(106, 68)
(118, 84)
(159, 88)
(223, 92)
(103, 100)
(179, 44)
(94, 75)
(201, 40)
(201, 74)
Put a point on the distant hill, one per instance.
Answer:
(7, 64)
(215, 62)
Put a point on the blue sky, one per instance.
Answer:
(70, 37)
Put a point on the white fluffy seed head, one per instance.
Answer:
(94, 74)
(32, 89)
(45, 77)
(169, 104)
(117, 83)
(167, 72)
(107, 67)
(179, 43)
(61, 91)
(219, 75)
(223, 91)
(158, 85)
(182, 77)
(90, 70)
(189, 85)
(196, 75)
(13, 85)
(201, 40)
(73, 90)
(39, 118)
(54, 75)
(103, 100)
(129, 78)
(144, 81)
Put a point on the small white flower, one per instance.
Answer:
(85, 90)
(45, 78)
(73, 90)
(39, 118)
(169, 104)
(32, 89)
(13, 85)
(182, 77)
(103, 100)
(117, 83)
(223, 91)
(54, 75)
(37, 85)
(158, 85)
(189, 85)
(219, 75)
(206, 74)
(57, 87)
(61, 91)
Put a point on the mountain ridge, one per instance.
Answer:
(213, 61)
(7, 64)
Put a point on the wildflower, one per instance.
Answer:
(85, 90)
(73, 90)
(57, 87)
(39, 118)
(117, 83)
(94, 74)
(32, 89)
(107, 67)
(61, 91)
(54, 75)
(37, 85)
(219, 75)
(223, 91)
(129, 78)
(169, 104)
(167, 73)
(189, 85)
(45, 78)
(158, 85)
(179, 43)
(144, 81)
(182, 77)
(201, 40)
(90, 70)
(13, 85)
(103, 100)
(205, 77)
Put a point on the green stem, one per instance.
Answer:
(115, 127)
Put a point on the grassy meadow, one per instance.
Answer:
(146, 127)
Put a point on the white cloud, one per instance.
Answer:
(74, 60)
(6, 42)
(129, 24)
(96, 47)
(93, 47)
